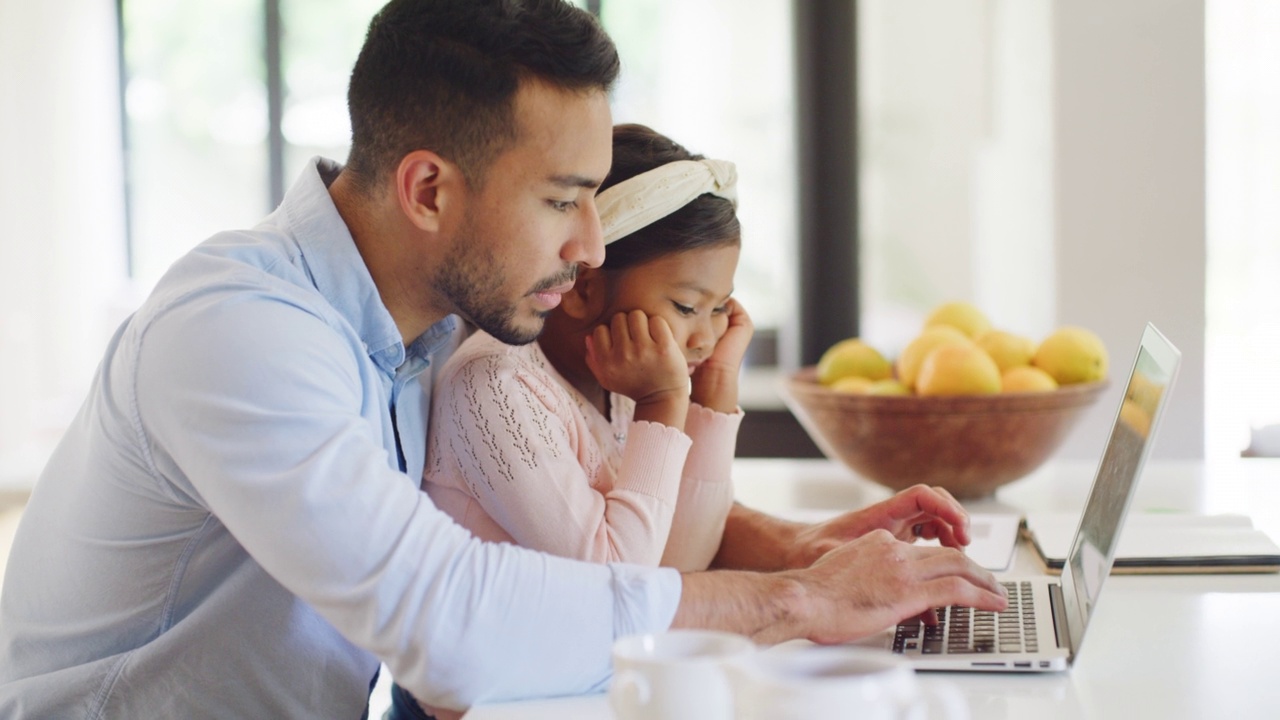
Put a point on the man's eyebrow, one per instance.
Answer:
(575, 181)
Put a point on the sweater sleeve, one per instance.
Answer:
(706, 489)
(512, 441)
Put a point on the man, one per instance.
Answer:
(232, 526)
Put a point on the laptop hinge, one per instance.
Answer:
(1057, 605)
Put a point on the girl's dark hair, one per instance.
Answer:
(707, 221)
(442, 75)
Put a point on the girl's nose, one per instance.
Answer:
(702, 339)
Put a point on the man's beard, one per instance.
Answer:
(470, 278)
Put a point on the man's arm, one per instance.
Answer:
(857, 589)
(252, 408)
(755, 541)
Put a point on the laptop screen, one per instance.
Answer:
(1094, 547)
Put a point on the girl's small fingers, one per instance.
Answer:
(601, 340)
(638, 323)
(660, 331)
(620, 330)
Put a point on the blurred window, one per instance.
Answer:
(196, 125)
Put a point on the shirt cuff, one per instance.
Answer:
(644, 598)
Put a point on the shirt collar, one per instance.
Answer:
(330, 256)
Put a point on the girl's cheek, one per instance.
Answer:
(721, 326)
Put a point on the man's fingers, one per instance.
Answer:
(955, 590)
(928, 617)
(947, 562)
(921, 503)
(959, 534)
(931, 529)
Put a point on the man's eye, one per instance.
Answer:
(562, 205)
(683, 309)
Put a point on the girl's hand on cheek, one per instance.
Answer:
(715, 382)
(637, 356)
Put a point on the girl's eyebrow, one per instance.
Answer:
(695, 287)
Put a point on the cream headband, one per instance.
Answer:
(655, 194)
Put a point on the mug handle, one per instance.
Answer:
(629, 690)
(945, 696)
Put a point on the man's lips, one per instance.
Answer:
(551, 297)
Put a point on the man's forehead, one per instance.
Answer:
(573, 130)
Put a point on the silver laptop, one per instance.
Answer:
(1044, 625)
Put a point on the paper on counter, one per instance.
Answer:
(1190, 541)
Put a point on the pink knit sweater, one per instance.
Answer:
(516, 454)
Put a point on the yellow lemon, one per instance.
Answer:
(958, 370)
(852, 385)
(888, 386)
(1025, 378)
(963, 316)
(914, 353)
(1072, 355)
(852, 358)
(1007, 349)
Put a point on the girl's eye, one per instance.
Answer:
(562, 205)
(683, 309)
(720, 310)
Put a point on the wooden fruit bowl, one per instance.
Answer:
(969, 445)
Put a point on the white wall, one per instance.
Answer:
(1045, 160)
(1129, 129)
(61, 215)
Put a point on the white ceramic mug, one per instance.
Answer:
(675, 675)
(812, 682)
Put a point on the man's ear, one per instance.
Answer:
(428, 188)
(586, 300)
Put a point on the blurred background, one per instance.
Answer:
(1092, 162)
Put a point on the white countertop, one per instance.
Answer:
(1185, 646)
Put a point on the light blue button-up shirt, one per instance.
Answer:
(231, 527)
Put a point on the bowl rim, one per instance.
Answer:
(801, 386)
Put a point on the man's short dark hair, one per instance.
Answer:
(442, 75)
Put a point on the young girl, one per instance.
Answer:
(611, 437)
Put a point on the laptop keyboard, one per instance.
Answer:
(964, 630)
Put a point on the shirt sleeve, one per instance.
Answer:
(706, 489)
(252, 406)
(517, 447)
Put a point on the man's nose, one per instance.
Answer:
(587, 244)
